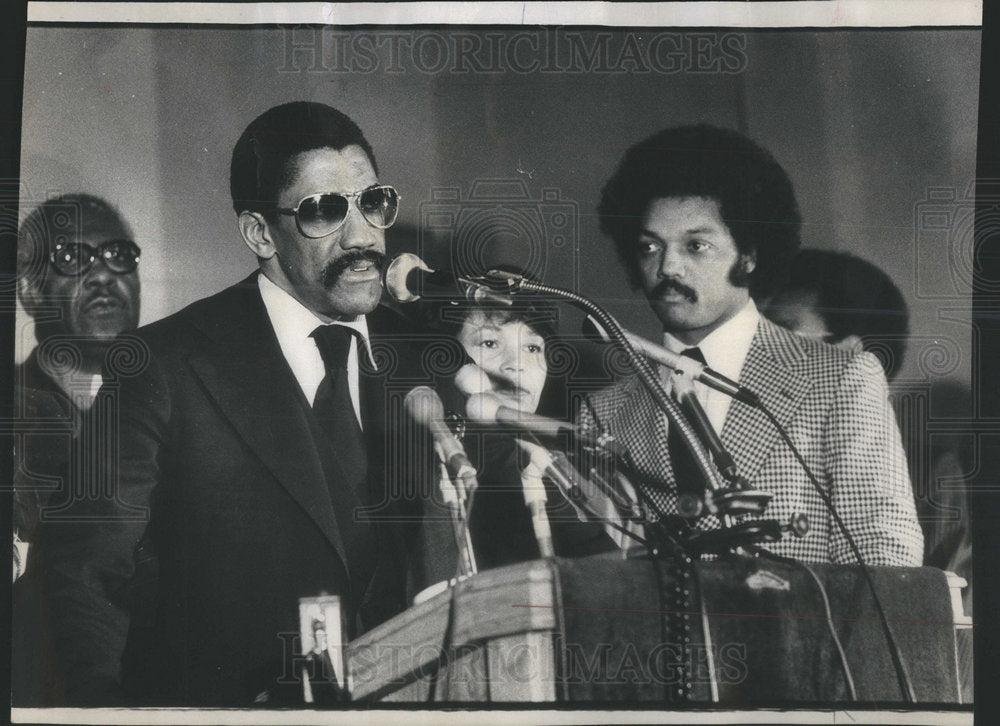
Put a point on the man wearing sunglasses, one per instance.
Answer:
(254, 446)
(78, 280)
(705, 222)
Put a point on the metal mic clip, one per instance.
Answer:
(508, 281)
(479, 288)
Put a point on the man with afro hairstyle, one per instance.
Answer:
(705, 221)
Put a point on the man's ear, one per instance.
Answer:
(749, 261)
(256, 234)
(29, 292)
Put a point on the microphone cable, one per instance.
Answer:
(447, 639)
(902, 676)
(445, 658)
(842, 656)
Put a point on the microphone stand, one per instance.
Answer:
(455, 497)
(731, 536)
(583, 493)
(737, 497)
(535, 500)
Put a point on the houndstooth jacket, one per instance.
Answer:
(834, 406)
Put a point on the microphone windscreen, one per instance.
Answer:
(397, 273)
(471, 379)
(424, 405)
(482, 408)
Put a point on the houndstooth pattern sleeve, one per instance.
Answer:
(864, 457)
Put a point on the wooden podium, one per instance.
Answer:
(737, 632)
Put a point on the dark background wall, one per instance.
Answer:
(867, 123)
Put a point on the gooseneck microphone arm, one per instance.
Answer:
(408, 278)
(709, 476)
(677, 362)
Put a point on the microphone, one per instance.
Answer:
(593, 331)
(698, 419)
(471, 379)
(486, 408)
(584, 495)
(534, 500)
(452, 499)
(408, 278)
(425, 407)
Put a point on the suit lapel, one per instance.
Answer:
(248, 377)
(639, 425)
(768, 372)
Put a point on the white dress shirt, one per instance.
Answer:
(293, 322)
(725, 350)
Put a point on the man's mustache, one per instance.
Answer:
(333, 271)
(668, 285)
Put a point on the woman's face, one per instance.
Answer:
(511, 354)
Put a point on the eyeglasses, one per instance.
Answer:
(320, 214)
(121, 256)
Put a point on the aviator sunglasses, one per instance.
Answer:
(320, 214)
(121, 256)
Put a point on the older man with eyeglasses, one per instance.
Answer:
(253, 432)
(78, 280)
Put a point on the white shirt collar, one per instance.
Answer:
(293, 322)
(725, 348)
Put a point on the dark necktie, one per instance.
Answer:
(333, 406)
(687, 475)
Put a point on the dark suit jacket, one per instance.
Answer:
(180, 578)
(47, 421)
